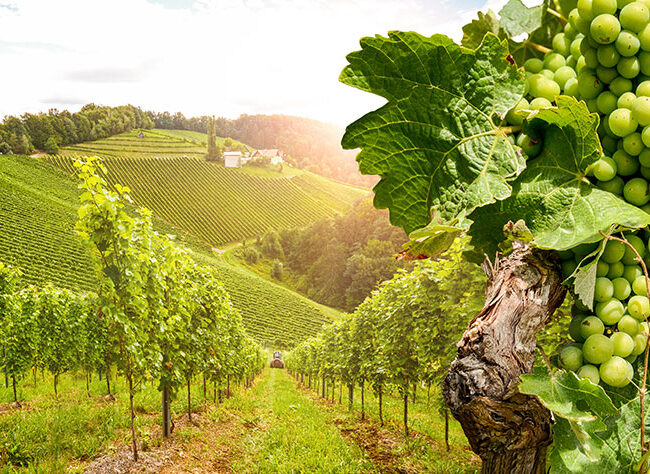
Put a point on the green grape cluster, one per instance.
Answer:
(603, 58)
(608, 341)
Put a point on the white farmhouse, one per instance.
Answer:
(232, 159)
(274, 154)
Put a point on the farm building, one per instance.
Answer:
(232, 159)
(274, 154)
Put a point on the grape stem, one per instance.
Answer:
(538, 47)
(557, 14)
(511, 129)
(642, 388)
(546, 359)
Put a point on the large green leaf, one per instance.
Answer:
(436, 143)
(517, 18)
(558, 203)
(568, 396)
(475, 31)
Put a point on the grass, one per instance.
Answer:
(298, 437)
(423, 452)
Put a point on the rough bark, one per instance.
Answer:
(508, 430)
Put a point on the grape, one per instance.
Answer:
(554, 61)
(645, 172)
(601, 269)
(644, 38)
(575, 326)
(608, 56)
(625, 164)
(606, 75)
(548, 74)
(575, 48)
(623, 344)
(622, 123)
(629, 67)
(634, 16)
(571, 87)
(632, 272)
(597, 349)
(627, 44)
(643, 328)
(590, 56)
(604, 169)
(616, 372)
(609, 311)
(639, 307)
(614, 186)
(636, 191)
(534, 65)
(585, 11)
(640, 343)
(571, 357)
(592, 105)
(562, 44)
(568, 267)
(616, 270)
(599, 7)
(645, 137)
(562, 75)
(605, 28)
(626, 100)
(622, 288)
(629, 258)
(643, 89)
(589, 372)
(604, 289)
(589, 85)
(614, 251)
(639, 287)
(610, 145)
(530, 146)
(570, 33)
(607, 102)
(583, 250)
(629, 325)
(644, 62)
(591, 325)
(540, 103)
(620, 86)
(632, 145)
(581, 64)
(516, 115)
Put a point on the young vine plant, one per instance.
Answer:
(535, 128)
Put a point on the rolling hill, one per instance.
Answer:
(38, 211)
(216, 204)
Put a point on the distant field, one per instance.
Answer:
(156, 143)
(218, 204)
(38, 211)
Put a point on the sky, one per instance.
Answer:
(203, 57)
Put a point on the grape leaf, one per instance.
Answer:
(475, 31)
(619, 446)
(435, 143)
(517, 18)
(568, 396)
(553, 196)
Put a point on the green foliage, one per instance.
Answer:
(459, 166)
(553, 195)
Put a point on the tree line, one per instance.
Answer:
(309, 144)
(336, 261)
(50, 131)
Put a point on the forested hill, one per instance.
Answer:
(310, 144)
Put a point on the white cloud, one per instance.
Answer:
(223, 57)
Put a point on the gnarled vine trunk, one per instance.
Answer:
(508, 430)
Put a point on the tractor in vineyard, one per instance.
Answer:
(276, 362)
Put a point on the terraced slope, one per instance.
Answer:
(38, 211)
(218, 204)
(156, 143)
